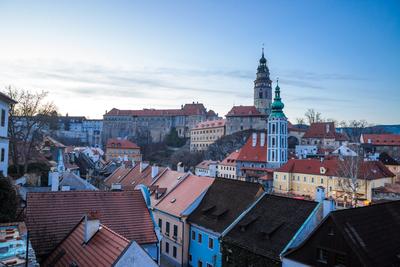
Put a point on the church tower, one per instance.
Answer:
(277, 144)
(262, 87)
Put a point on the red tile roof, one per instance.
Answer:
(186, 110)
(255, 153)
(136, 177)
(243, 111)
(103, 249)
(210, 124)
(369, 170)
(166, 182)
(52, 215)
(324, 130)
(231, 159)
(381, 139)
(206, 163)
(184, 194)
(121, 144)
(117, 175)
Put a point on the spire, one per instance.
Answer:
(277, 105)
(263, 61)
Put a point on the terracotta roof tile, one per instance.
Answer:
(167, 181)
(210, 124)
(186, 110)
(257, 153)
(369, 170)
(381, 139)
(206, 163)
(103, 249)
(244, 111)
(230, 160)
(121, 144)
(52, 215)
(184, 194)
(324, 130)
(117, 175)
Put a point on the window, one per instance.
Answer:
(167, 228)
(340, 259)
(166, 247)
(2, 154)
(174, 251)
(175, 230)
(210, 243)
(190, 257)
(3, 118)
(160, 224)
(312, 179)
(305, 179)
(322, 255)
(322, 180)
(200, 238)
(209, 265)
(193, 235)
(199, 264)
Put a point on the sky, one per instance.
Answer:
(340, 58)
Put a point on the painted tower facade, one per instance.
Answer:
(277, 149)
(262, 87)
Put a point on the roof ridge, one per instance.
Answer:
(113, 232)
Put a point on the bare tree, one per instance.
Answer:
(27, 120)
(313, 116)
(300, 121)
(351, 178)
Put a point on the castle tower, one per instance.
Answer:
(262, 87)
(277, 133)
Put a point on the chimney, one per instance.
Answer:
(154, 171)
(92, 225)
(180, 167)
(143, 166)
(55, 182)
(320, 194)
(116, 187)
(262, 139)
(254, 139)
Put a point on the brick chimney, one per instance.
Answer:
(92, 225)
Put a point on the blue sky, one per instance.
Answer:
(338, 57)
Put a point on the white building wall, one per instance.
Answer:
(4, 142)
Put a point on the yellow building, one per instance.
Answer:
(205, 133)
(122, 149)
(301, 177)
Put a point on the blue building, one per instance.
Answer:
(215, 215)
